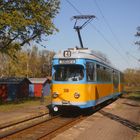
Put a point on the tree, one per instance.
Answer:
(29, 63)
(46, 62)
(34, 62)
(138, 35)
(132, 77)
(24, 21)
(103, 56)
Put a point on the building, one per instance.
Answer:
(12, 88)
(39, 87)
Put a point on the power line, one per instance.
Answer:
(108, 25)
(108, 42)
(73, 7)
(138, 60)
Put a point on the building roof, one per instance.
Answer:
(12, 80)
(38, 80)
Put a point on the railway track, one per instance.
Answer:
(12, 128)
(42, 127)
(41, 130)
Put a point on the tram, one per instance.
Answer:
(81, 78)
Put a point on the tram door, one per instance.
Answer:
(115, 82)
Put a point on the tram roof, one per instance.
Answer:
(76, 53)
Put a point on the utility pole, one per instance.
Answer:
(88, 19)
(27, 65)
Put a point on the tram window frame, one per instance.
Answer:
(68, 73)
(115, 79)
(108, 75)
(103, 73)
(98, 73)
(90, 71)
(121, 78)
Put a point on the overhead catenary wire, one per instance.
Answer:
(132, 56)
(73, 7)
(108, 25)
(97, 30)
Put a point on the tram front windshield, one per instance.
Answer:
(68, 73)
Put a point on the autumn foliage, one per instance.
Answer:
(132, 77)
(23, 21)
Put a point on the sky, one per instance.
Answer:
(111, 32)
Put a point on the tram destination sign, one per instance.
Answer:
(67, 61)
(67, 54)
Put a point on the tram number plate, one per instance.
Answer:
(65, 102)
(67, 54)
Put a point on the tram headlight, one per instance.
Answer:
(76, 95)
(55, 95)
(55, 108)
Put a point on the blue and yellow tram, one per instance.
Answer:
(83, 79)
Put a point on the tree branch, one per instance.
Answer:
(11, 40)
(28, 40)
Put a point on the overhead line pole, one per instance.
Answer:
(77, 28)
(108, 42)
(88, 19)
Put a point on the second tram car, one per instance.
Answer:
(81, 78)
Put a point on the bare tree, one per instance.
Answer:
(138, 36)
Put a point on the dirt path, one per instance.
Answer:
(118, 121)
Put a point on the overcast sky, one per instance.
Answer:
(111, 32)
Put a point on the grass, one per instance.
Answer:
(126, 88)
(137, 137)
(134, 96)
(12, 106)
(133, 93)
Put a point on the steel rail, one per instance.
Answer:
(22, 125)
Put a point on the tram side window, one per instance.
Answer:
(108, 74)
(99, 73)
(115, 79)
(121, 78)
(103, 74)
(90, 70)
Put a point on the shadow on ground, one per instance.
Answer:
(134, 105)
(128, 123)
(132, 98)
